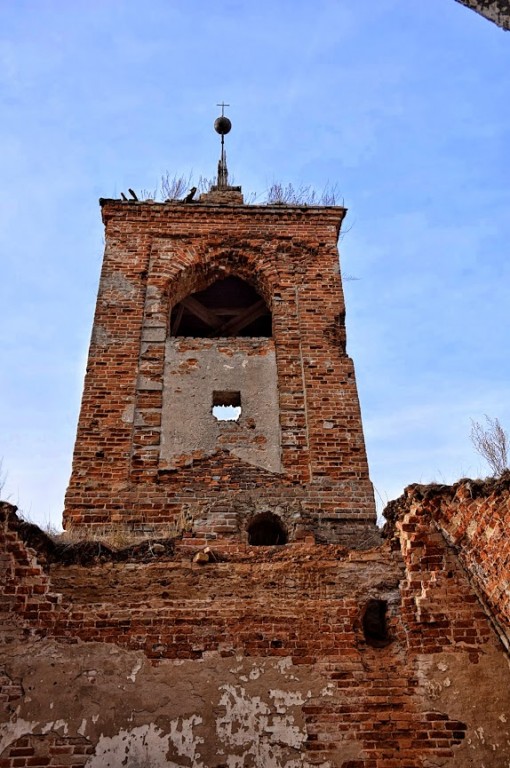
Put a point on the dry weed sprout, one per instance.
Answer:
(173, 188)
(114, 536)
(280, 194)
(491, 442)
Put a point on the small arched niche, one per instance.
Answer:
(228, 307)
(266, 530)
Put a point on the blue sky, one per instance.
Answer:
(404, 106)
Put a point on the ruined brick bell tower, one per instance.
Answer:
(219, 399)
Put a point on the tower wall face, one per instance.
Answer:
(149, 450)
(196, 369)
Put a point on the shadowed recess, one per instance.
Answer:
(375, 628)
(229, 307)
(265, 530)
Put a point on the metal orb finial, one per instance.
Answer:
(222, 125)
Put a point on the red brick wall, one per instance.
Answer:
(405, 703)
(474, 517)
(47, 751)
(157, 254)
(26, 595)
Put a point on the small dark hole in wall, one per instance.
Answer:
(266, 530)
(375, 627)
(226, 406)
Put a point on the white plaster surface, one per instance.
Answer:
(192, 714)
(194, 369)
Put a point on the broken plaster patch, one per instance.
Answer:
(135, 671)
(260, 737)
(128, 414)
(101, 336)
(117, 288)
(284, 699)
(147, 745)
(176, 715)
(55, 725)
(12, 731)
(185, 742)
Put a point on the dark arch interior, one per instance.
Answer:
(228, 307)
(266, 530)
(375, 627)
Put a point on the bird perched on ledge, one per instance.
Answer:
(191, 194)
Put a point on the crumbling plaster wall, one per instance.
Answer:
(194, 370)
(127, 711)
(256, 659)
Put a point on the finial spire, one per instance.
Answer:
(222, 125)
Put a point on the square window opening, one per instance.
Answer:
(226, 406)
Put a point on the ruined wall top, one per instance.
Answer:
(474, 518)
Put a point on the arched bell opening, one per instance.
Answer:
(266, 530)
(227, 307)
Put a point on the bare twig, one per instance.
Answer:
(491, 442)
(280, 194)
(174, 187)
